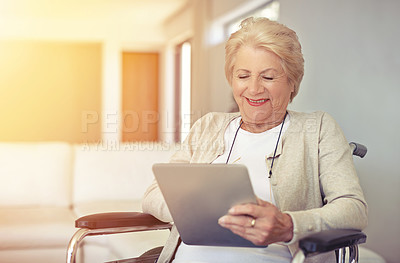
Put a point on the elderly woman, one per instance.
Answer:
(300, 164)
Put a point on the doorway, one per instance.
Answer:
(140, 80)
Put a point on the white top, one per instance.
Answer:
(251, 150)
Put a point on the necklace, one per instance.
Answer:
(276, 146)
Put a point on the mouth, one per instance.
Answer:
(256, 102)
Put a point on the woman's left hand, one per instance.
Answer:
(261, 223)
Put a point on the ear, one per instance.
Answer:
(292, 89)
(290, 84)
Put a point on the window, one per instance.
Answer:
(182, 90)
(185, 80)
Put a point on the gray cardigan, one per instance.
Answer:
(314, 179)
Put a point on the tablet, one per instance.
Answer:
(197, 195)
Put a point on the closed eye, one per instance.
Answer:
(267, 78)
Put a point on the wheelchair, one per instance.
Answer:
(340, 240)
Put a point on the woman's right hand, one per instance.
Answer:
(261, 223)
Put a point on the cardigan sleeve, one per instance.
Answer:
(344, 205)
(153, 201)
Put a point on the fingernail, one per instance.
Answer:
(221, 220)
(232, 210)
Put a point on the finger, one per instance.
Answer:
(250, 233)
(245, 232)
(253, 210)
(238, 224)
(241, 221)
(243, 209)
(263, 202)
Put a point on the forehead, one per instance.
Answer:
(250, 58)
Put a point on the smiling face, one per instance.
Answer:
(260, 88)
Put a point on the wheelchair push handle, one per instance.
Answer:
(358, 149)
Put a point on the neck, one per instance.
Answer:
(261, 127)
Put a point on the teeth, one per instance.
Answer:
(257, 101)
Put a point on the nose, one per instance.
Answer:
(255, 86)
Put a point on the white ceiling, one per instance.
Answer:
(130, 11)
(138, 22)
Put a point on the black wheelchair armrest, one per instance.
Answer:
(117, 220)
(330, 240)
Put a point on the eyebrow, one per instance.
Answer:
(269, 69)
(262, 72)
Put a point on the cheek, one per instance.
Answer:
(280, 95)
(236, 90)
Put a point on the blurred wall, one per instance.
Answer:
(351, 71)
(116, 26)
(50, 91)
